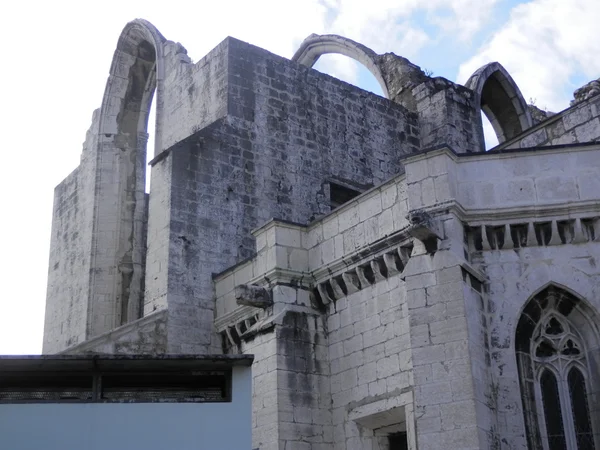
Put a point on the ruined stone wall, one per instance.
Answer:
(67, 308)
(447, 116)
(289, 131)
(307, 128)
(65, 321)
(195, 94)
(145, 336)
(576, 125)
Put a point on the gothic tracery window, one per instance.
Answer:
(554, 373)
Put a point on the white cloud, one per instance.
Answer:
(467, 17)
(339, 66)
(543, 45)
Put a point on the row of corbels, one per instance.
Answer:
(234, 333)
(362, 276)
(578, 236)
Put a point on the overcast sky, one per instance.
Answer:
(56, 56)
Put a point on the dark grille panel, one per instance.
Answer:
(207, 387)
(44, 395)
(197, 386)
(158, 395)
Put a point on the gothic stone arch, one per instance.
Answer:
(314, 46)
(499, 97)
(119, 211)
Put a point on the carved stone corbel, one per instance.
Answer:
(252, 295)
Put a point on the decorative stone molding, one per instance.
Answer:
(365, 267)
(510, 236)
(233, 330)
(239, 316)
(424, 227)
(363, 275)
(252, 295)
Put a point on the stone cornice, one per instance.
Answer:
(520, 214)
(239, 314)
(362, 255)
(533, 233)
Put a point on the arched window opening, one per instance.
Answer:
(349, 70)
(553, 342)
(552, 411)
(581, 411)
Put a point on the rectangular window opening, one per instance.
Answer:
(398, 441)
(338, 195)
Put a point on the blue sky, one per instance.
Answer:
(57, 55)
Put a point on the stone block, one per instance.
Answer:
(589, 131)
(348, 217)
(556, 188)
(389, 195)
(298, 259)
(417, 171)
(576, 116)
(330, 226)
(369, 207)
(517, 192)
(434, 394)
(387, 366)
(367, 373)
(385, 222)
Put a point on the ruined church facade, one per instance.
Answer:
(399, 286)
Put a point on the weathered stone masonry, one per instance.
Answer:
(396, 320)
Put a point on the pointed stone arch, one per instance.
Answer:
(500, 99)
(315, 46)
(119, 159)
